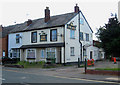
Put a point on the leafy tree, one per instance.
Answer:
(109, 35)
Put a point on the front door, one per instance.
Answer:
(90, 54)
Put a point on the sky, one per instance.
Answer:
(97, 12)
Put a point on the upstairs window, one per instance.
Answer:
(81, 21)
(87, 37)
(17, 38)
(81, 35)
(34, 37)
(72, 34)
(53, 35)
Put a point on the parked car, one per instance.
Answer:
(117, 58)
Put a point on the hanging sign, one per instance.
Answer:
(71, 26)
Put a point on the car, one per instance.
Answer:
(117, 58)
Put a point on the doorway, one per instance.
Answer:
(90, 54)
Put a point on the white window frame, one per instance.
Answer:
(42, 56)
(27, 53)
(72, 51)
(86, 36)
(50, 51)
(72, 34)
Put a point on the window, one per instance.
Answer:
(72, 51)
(34, 37)
(72, 34)
(53, 35)
(81, 35)
(16, 53)
(81, 21)
(17, 38)
(50, 52)
(42, 53)
(87, 37)
(3, 52)
(31, 53)
(43, 37)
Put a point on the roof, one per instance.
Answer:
(54, 21)
(6, 30)
(43, 45)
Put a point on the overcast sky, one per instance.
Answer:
(96, 12)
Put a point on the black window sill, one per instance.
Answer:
(30, 58)
(72, 55)
(72, 38)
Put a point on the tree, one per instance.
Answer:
(109, 35)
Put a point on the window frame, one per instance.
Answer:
(42, 56)
(87, 37)
(17, 38)
(71, 34)
(51, 35)
(82, 36)
(31, 57)
(72, 51)
(32, 37)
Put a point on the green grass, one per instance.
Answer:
(27, 64)
(110, 69)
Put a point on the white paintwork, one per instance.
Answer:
(12, 42)
(26, 40)
(27, 36)
(75, 42)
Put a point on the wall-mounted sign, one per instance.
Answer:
(71, 26)
(43, 37)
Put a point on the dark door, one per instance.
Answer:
(60, 56)
(90, 54)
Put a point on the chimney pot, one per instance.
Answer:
(76, 9)
(29, 22)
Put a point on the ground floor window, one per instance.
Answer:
(15, 53)
(42, 53)
(31, 53)
(72, 51)
(3, 52)
(51, 52)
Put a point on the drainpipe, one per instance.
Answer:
(79, 35)
(64, 43)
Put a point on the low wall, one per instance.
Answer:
(103, 72)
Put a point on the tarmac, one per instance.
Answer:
(72, 71)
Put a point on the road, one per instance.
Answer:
(9, 76)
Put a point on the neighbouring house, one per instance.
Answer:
(96, 52)
(63, 37)
(4, 31)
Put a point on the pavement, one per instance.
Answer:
(71, 72)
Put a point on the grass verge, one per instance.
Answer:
(110, 69)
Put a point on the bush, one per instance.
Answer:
(27, 64)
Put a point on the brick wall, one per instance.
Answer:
(5, 45)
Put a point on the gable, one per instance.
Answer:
(85, 27)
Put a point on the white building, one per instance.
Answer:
(57, 37)
(119, 11)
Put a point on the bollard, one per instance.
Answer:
(78, 62)
(85, 65)
(114, 60)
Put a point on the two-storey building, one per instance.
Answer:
(62, 37)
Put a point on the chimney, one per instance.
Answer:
(47, 14)
(29, 22)
(76, 9)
